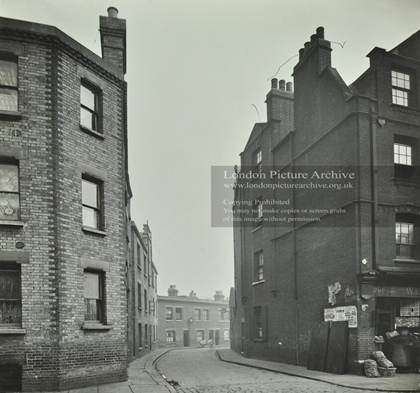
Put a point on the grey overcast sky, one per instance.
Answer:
(195, 68)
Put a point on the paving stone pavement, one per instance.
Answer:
(201, 371)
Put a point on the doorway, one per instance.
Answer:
(186, 338)
(217, 337)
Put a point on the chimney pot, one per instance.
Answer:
(320, 32)
(112, 12)
(313, 38)
(282, 84)
(274, 83)
(301, 53)
(289, 86)
(307, 45)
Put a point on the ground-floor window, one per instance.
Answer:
(170, 336)
(200, 335)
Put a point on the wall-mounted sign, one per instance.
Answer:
(345, 313)
(396, 292)
(409, 308)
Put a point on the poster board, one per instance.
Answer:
(344, 313)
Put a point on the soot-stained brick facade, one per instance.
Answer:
(185, 321)
(63, 181)
(142, 301)
(362, 242)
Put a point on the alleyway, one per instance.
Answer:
(201, 371)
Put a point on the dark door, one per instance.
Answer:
(10, 378)
(217, 337)
(242, 338)
(186, 338)
(211, 335)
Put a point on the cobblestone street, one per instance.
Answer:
(201, 371)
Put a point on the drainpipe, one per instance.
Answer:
(374, 177)
(294, 253)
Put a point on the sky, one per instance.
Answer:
(195, 70)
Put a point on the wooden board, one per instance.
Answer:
(318, 347)
(337, 346)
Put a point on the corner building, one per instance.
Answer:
(63, 171)
(289, 276)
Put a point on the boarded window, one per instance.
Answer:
(10, 294)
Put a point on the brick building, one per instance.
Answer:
(142, 294)
(184, 321)
(63, 175)
(359, 246)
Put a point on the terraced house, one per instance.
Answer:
(63, 187)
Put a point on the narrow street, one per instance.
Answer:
(201, 371)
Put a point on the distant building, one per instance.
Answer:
(142, 294)
(184, 321)
(360, 261)
(63, 174)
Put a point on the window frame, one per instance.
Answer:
(395, 88)
(257, 160)
(206, 311)
(13, 163)
(97, 110)
(258, 212)
(99, 210)
(197, 313)
(176, 312)
(413, 246)
(11, 58)
(202, 331)
(14, 268)
(101, 295)
(171, 314)
(405, 171)
(170, 333)
(259, 265)
(139, 296)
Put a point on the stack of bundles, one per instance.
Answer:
(381, 359)
(371, 368)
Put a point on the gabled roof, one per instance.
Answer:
(409, 48)
(256, 131)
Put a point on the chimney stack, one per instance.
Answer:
(193, 295)
(172, 291)
(219, 297)
(113, 39)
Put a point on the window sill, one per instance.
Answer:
(403, 108)
(406, 260)
(257, 340)
(13, 223)
(12, 331)
(406, 182)
(98, 326)
(10, 115)
(94, 230)
(257, 228)
(92, 132)
(258, 282)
